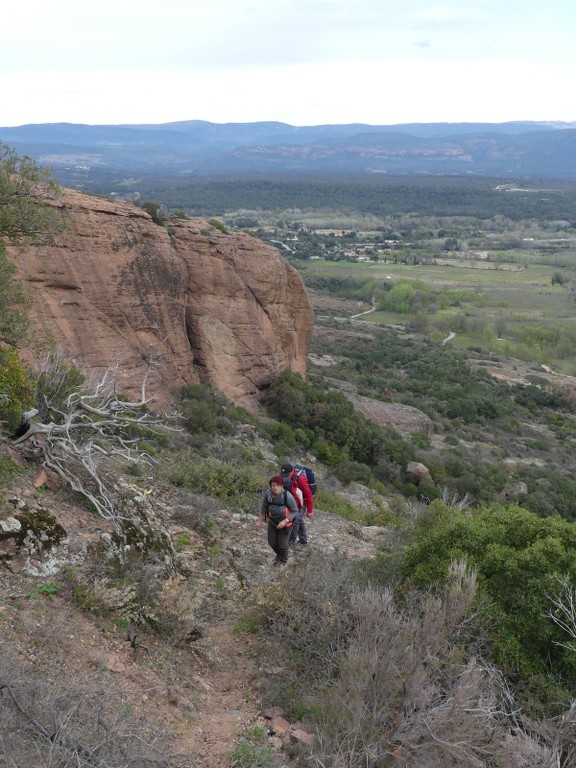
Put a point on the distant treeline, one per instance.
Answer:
(380, 195)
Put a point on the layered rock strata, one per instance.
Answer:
(177, 304)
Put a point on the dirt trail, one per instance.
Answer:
(227, 703)
(206, 693)
(230, 702)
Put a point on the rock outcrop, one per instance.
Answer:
(405, 419)
(184, 303)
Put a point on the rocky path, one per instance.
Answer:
(205, 692)
(229, 702)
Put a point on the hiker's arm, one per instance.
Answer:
(306, 495)
(292, 506)
(263, 510)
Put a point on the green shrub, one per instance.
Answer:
(199, 417)
(57, 380)
(206, 411)
(218, 225)
(254, 750)
(238, 485)
(16, 388)
(280, 432)
(518, 556)
(343, 507)
(155, 211)
(8, 471)
(304, 437)
(353, 472)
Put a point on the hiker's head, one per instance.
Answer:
(286, 470)
(276, 484)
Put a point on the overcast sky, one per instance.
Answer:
(303, 62)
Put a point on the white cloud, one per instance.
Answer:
(299, 61)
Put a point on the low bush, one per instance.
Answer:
(16, 389)
(8, 471)
(49, 720)
(238, 485)
(254, 750)
(518, 556)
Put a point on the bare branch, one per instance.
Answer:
(563, 611)
(79, 430)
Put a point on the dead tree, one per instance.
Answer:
(85, 429)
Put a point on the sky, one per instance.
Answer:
(302, 62)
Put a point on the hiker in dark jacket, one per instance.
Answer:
(296, 481)
(279, 508)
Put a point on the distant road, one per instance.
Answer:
(352, 317)
(449, 337)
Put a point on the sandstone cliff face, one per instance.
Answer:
(192, 302)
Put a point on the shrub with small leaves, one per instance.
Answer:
(254, 750)
(16, 388)
(237, 484)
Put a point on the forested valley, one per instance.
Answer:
(439, 414)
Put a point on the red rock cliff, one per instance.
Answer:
(117, 290)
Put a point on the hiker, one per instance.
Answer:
(280, 508)
(298, 485)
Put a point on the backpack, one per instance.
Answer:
(309, 476)
(276, 519)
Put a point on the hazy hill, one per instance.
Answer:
(512, 149)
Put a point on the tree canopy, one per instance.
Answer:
(24, 217)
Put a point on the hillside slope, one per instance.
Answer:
(190, 688)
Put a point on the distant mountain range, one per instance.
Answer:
(522, 150)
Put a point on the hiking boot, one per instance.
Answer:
(302, 543)
(279, 563)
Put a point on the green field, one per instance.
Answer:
(503, 308)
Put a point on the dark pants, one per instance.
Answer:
(298, 530)
(278, 540)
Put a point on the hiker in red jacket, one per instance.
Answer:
(296, 478)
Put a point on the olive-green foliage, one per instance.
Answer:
(559, 279)
(405, 297)
(155, 211)
(16, 388)
(57, 380)
(8, 471)
(239, 486)
(341, 434)
(419, 374)
(343, 507)
(548, 493)
(518, 556)
(280, 432)
(218, 225)
(354, 472)
(382, 195)
(13, 312)
(254, 750)
(23, 218)
(206, 411)
(462, 399)
(345, 287)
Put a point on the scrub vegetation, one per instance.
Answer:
(456, 644)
